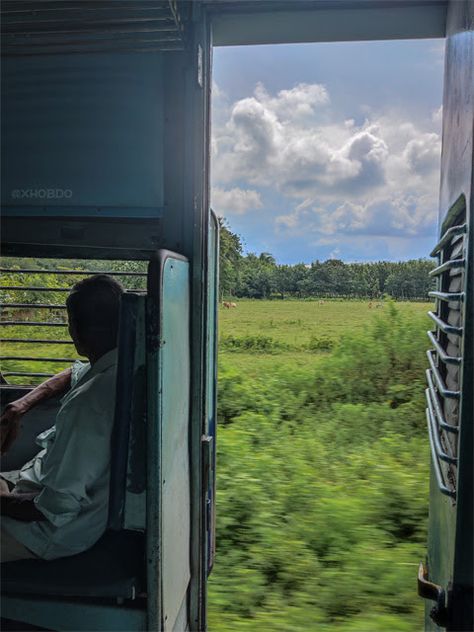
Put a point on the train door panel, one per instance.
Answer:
(448, 576)
(169, 518)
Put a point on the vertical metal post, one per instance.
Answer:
(198, 158)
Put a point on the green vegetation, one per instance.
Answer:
(253, 276)
(322, 468)
(293, 330)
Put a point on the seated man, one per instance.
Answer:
(57, 504)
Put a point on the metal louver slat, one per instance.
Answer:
(49, 26)
(434, 403)
(447, 296)
(448, 265)
(447, 237)
(440, 384)
(445, 358)
(439, 450)
(445, 327)
(442, 486)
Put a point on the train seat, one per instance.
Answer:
(115, 566)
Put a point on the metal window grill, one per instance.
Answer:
(78, 26)
(444, 375)
(33, 324)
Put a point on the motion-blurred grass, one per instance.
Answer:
(322, 478)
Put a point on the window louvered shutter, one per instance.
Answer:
(444, 375)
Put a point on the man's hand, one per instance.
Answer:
(10, 424)
(21, 506)
(10, 419)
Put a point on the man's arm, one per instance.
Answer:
(10, 419)
(20, 506)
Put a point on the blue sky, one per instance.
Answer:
(329, 150)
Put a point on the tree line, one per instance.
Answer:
(260, 276)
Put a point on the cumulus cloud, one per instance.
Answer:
(235, 201)
(378, 177)
(403, 216)
(299, 102)
(422, 153)
(277, 141)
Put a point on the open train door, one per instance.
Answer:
(447, 577)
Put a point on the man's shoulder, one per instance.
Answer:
(95, 396)
(78, 370)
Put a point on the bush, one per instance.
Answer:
(322, 489)
(317, 343)
(258, 344)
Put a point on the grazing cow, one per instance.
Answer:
(226, 304)
(320, 302)
(233, 304)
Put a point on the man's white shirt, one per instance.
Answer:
(72, 471)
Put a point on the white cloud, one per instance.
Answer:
(403, 216)
(235, 201)
(376, 178)
(301, 101)
(422, 153)
(437, 115)
(280, 142)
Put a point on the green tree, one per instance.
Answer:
(230, 257)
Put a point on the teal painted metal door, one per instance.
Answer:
(169, 484)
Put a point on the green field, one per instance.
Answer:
(322, 478)
(304, 331)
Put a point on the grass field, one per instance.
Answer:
(294, 333)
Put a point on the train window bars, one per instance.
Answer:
(33, 326)
(445, 358)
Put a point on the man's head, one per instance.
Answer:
(93, 308)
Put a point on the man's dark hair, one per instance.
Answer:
(94, 306)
